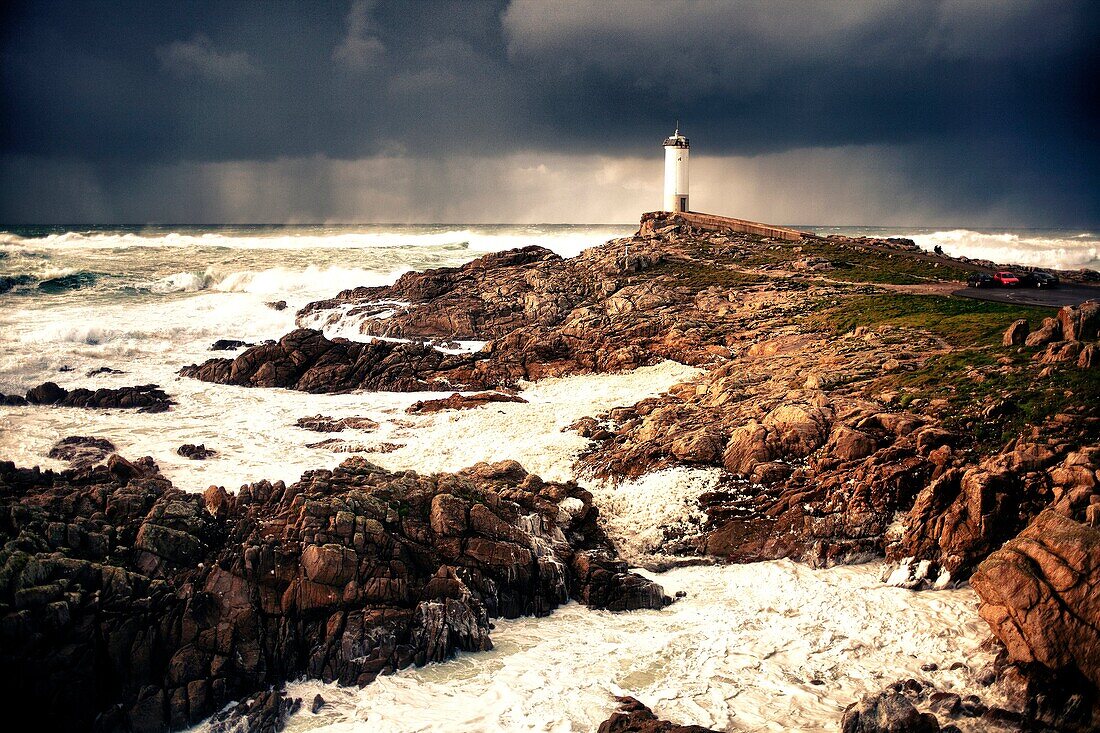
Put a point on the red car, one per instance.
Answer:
(1006, 279)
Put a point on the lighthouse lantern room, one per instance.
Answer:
(676, 172)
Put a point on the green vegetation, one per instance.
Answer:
(701, 275)
(856, 262)
(959, 321)
(994, 395)
(847, 261)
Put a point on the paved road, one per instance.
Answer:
(1053, 298)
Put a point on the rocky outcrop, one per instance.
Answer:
(839, 437)
(308, 361)
(634, 717)
(229, 345)
(325, 424)
(196, 452)
(459, 401)
(1017, 333)
(887, 712)
(1039, 595)
(1081, 322)
(144, 398)
(127, 604)
(910, 705)
(267, 712)
(82, 450)
(1050, 330)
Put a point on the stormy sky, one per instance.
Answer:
(936, 113)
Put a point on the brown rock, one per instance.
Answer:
(1080, 322)
(1050, 330)
(448, 515)
(1017, 333)
(887, 712)
(189, 602)
(459, 401)
(1039, 595)
(1089, 358)
(634, 717)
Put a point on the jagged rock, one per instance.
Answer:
(229, 345)
(145, 398)
(1080, 322)
(266, 713)
(80, 451)
(196, 452)
(1039, 595)
(634, 717)
(821, 449)
(1017, 333)
(1089, 358)
(459, 401)
(308, 361)
(1050, 330)
(279, 305)
(1059, 351)
(887, 712)
(130, 602)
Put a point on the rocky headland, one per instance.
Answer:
(853, 408)
(128, 604)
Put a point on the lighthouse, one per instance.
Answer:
(676, 172)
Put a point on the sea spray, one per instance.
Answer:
(771, 646)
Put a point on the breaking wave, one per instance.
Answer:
(567, 240)
(70, 281)
(1038, 250)
(270, 281)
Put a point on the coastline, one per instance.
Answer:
(805, 376)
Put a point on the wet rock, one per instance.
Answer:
(187, 602)
(81, 450)
(196, 452)
(325, 424)
(144, 398)
(103, 370)
(887, 712)
(265, 713)
(634, 717)
(459, 401)
(229, 345)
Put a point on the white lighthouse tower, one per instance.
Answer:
(676, 172)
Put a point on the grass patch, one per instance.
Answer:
(993, 401)
(860, 263)
(700, 275)
(959, 321)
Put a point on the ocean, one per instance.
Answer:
(771, 646)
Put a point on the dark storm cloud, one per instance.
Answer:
(983, 103)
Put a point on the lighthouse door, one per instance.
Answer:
(683, 203)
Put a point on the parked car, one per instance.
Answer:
(1039, 280)
(1006, 279)
(979, 280)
